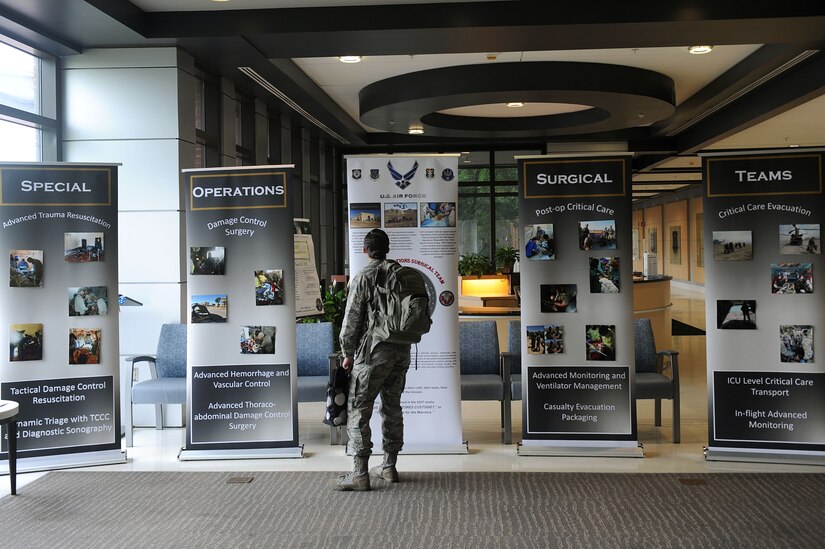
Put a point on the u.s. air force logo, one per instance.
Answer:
(402, 180)
(429, 173)
(374, 174)
(356, 174)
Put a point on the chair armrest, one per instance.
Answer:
(673, 363)
(153, 371)
(504, 367)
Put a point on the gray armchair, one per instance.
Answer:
(485, 373)
(651, 381)
(514, 348)
(315, 347)
(167, 370)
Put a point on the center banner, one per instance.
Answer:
(241, 359)
(413, 198)
(577, 306)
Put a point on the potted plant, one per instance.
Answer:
(506, 256)
(474, 264)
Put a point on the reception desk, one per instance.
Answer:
(651, 299)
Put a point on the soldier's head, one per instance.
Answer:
(377, 244)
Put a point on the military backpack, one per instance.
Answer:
(401, 304)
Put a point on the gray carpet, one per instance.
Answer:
(297, 509)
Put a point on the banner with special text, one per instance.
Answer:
(577, 305)
(59, 310)
(241, 361)
(414, 199)
(766, 385)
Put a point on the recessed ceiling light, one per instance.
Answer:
(350, 58)
(415, 130)
(515, 104)
(699, 50)
(793, 146)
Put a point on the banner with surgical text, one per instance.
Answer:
(576, 336)
(766, 383)
(414, 199)
(241, 358)
(59, 312)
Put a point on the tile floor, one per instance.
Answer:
(157, 450)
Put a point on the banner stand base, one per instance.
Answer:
(241, 453)
(425, 449)
(65, 461)
(763, 456)
(582, 451)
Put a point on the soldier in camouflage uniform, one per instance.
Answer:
(378, 367)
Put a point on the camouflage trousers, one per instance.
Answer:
(386, 375)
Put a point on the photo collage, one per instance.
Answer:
(604, 278)
(267, 285)
(27, 270)
(796, 342)
(394, 215)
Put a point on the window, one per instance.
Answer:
(28, 129)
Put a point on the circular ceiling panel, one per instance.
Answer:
(502, 110)
(620, 97)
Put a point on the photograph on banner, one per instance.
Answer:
(545, 339)
(438, 214)
(799, 238)
(597, 235)
(25, 268)
(25, 342)
(207, 260)
(540, 242)
(732, 245)
(796, 344)
(601, 341)
(208, 308)
(399, 215)
(84, 346)
(365, 215)
(257, 340)
(88, 301)
(269, 287)
(792, 278)
(604, 275)
(83, 247)
(736, 314)
(558, 298)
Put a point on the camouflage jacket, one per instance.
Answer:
(356, 339)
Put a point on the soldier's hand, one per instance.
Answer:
(346, 364)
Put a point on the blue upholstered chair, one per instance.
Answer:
(316, 361)
(514, 348)
(651, 381)
(485, 373)
(167, 371)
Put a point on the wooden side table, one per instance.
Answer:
(8, 417)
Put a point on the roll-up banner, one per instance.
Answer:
(577, 306)
(766, 383)
(414, 199)
(59, 311)
(241, 362)
(308, 300)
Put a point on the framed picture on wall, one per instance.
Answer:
(676, 245)
(652, 241)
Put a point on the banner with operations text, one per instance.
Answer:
(577, 305)
(414, 199)
(241, 361)
(59, 312)
(766, 383)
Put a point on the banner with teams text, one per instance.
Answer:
(766, 383)
(59, 311)
(241, 358)
(414, 199)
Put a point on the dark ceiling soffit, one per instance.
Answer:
(758, 65)
(29, 33)
(791, 89)
(622, 97)
(124, 11)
